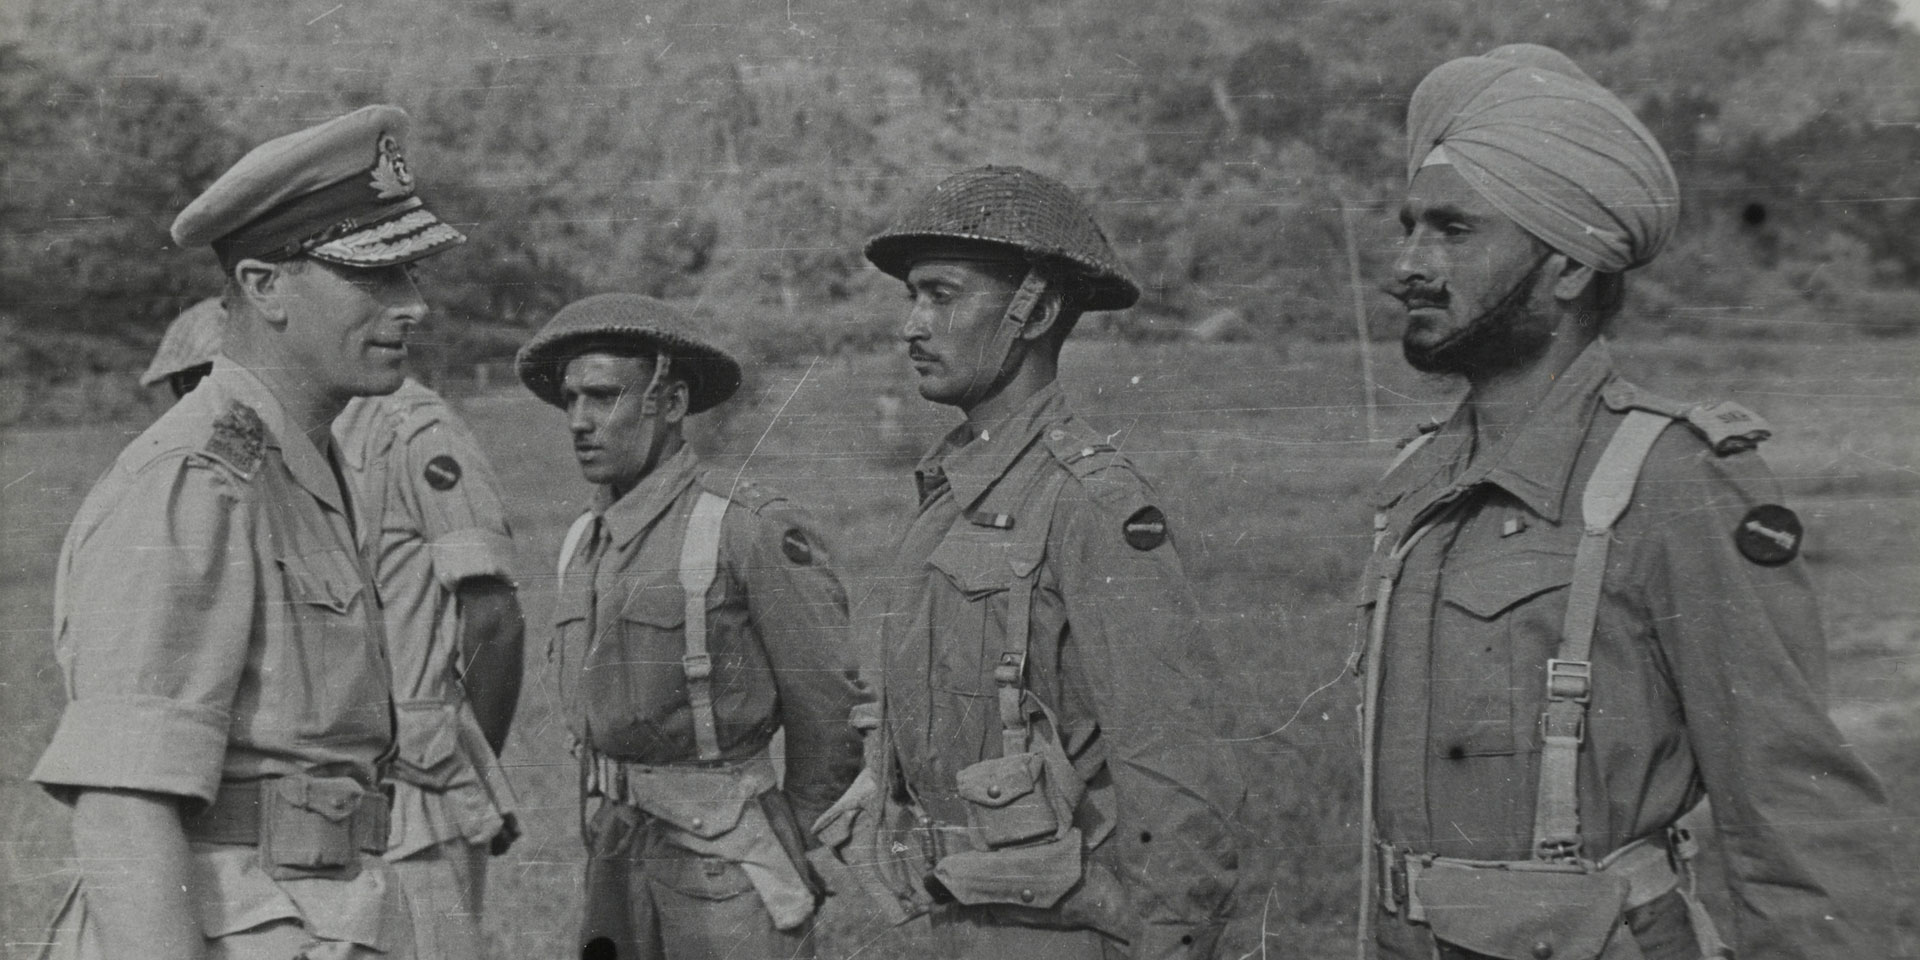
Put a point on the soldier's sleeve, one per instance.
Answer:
(1137, 644)
(1803, 824)
(800, 611)
(452, 490)
(154, 626)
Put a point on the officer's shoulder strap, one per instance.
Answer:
(1099, 467)
(1727, 427)
(571, 545)
(699, 565)
(238, 439)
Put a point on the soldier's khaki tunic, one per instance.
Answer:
(432, 517)
(1117, 651)
(1709, 675)
(214, 625)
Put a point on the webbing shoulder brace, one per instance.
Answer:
(699, 565)
(1563, 724)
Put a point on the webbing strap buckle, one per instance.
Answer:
(1572, 726)
(698, 666)
(1559, 849)
(1007, 672)
(1570, 680)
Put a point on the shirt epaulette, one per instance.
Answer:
(756, 497)
(1727, 427)
(239, 439)
(1106, 473)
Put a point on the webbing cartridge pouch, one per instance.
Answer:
(307, 828)
(1007, 802)
(1515, 913)
(1034, 875)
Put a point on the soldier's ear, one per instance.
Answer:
(675, 396)
(1571, 278)
(259, 285)
(1045, 315)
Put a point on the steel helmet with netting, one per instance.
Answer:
(1013, 207)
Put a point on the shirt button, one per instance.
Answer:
(698, 823)
(1456, 752)
(1026, 896)
(1542, 950)
(993, 792)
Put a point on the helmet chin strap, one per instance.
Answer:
(1005, 334)
(650, 409)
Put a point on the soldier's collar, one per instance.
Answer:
(977, 463)
(627, 517)
(306, 462)
(1537, 460)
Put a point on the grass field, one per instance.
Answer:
(1261, 456)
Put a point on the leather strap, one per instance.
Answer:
(1563, 724)
(699, 564)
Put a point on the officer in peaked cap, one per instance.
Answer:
(696, 615)
(1048, 778)
(229, 707)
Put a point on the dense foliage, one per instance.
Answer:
(735, 154)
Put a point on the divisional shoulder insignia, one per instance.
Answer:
(239, 438)
(796, 546)
(442, 472)
(1146, 529)
(1769, 535)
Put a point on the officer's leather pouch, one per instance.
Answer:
(1036, 875)
(1520, 914)
(1007, 802)
(306, 828)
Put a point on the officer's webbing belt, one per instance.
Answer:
(699, 563)
(1563, 724)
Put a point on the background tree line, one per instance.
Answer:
(736, 154)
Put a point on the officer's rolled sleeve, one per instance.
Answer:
(1137, 639)
(155, 636)
(799, 610)
(1803, 824)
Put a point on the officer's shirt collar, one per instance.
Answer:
(972, 459)
(307, 463)
(1537, 459)
(629, 516)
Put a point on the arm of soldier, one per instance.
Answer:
(1137, 644)
(133, 859)
(1802, 824)
(451, 489)
(800, 611)
(154, 629)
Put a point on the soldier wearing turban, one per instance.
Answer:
(1586, 606)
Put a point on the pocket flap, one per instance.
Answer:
(327, 578)
(998, 782)
(334, 798)
(1487, 587)
(705, 803)
(658, 607)
(1511, 913)
(1035, 876)
(981, 561)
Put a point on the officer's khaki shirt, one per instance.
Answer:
(431, 517)
(1116, 650)
(214, 624)
(776, 630)
(1709, 670)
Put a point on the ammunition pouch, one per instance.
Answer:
(724, 812)
(1035, 875)
(1522, 910)
(305, 827)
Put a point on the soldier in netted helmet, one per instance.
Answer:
(1048, 777)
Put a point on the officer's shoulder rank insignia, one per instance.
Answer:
(239, 438)
(1145, 529)
(1769, 535)
(442, 472)
(1729, 427)
(796, 546)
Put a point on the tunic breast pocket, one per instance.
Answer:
(325, 579)
(1497, 625)
(990, 574)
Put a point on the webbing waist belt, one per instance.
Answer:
(239, 811)
(1647, 866)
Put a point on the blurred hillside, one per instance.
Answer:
(736, 154)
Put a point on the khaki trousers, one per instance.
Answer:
(446, 885)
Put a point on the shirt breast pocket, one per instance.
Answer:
(1501, 617)
(990, 572)
(326, 579)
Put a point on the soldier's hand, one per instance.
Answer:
(509, 832)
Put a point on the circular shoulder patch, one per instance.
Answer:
(1146, 529)
(1769, 534)
(796, 547)
(442, 472)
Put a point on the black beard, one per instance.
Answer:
(1499, 339)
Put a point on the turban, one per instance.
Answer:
(1554, 151)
